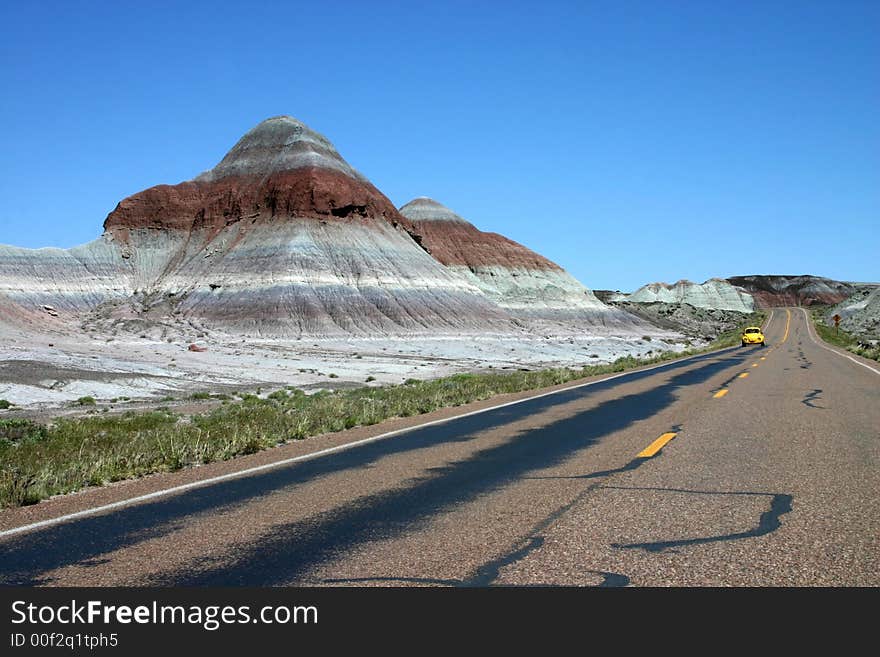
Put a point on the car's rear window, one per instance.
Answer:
(753, 330)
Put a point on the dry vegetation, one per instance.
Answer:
(68, 454)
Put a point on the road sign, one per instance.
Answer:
(836, 319)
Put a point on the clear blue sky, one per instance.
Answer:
(627, 141)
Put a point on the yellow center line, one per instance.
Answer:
(754, 365)
(720, 393)
(763, 358)
(787, 323)
(656, 446)
(743, 375)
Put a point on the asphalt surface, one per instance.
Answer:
(771, 483)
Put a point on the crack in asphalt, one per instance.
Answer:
(812, 396)
(780, 504)
(490, 571)
(802, 357)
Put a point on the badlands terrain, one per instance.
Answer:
(284, 266)
(860, 312)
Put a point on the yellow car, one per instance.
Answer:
(752, 335)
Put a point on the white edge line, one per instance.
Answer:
(833, 351)
(330, 450)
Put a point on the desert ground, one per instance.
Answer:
(45, 374)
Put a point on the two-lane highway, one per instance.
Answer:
(751, 466)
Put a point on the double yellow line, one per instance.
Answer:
(787, 324)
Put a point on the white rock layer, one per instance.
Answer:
(715, 294)
(860, 313)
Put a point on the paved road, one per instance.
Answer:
(654, 478)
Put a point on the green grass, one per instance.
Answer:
(840, 338)
(201, 396)
(16, 430)
(4, 404)
(69, 454)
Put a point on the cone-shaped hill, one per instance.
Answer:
(284, 238)
(522, 282)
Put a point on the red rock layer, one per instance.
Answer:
(307, 192)
(776, 291)
(461, 243)
(779, 299)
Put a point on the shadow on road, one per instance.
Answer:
(291, 550)
(780, 504)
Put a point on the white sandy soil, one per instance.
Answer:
(43, 371)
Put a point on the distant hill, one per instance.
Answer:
(715, 294)
(774, 290)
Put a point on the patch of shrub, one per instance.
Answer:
(17, 430)
(17, 488)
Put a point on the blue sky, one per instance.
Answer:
(628, 141)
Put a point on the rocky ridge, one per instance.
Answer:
(771, 291)
(696, 322)
(860, 313)
(716, 293)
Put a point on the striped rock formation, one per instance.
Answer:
(716, 293)
(523, 283)
(282, 237)
(46, 288)
(773, 291)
